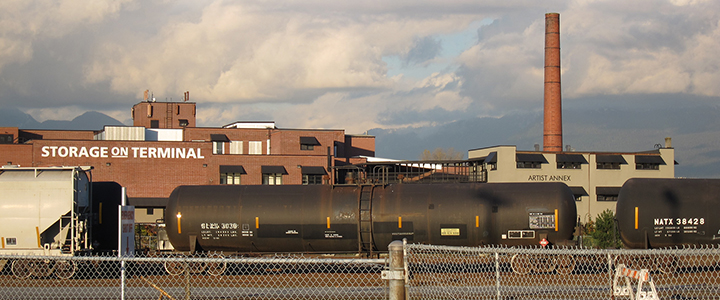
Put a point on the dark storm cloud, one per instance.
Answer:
(422, 51)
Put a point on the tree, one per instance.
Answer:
(441, 154)
(606, 234)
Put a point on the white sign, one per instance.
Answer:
(127, 231)
(122, 152)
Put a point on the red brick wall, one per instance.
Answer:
(288, 141)
(164, 112)
(10, 130)
(359, 145)
(146, 177)
(16, 154)
(34, 134)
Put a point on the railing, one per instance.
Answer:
(441, 272)
(181, 277)
(410, 271)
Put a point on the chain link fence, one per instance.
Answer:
(177, 276)
(442, 272)
(427, 272)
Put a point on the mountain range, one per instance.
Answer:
(91, 120)
(621, 126)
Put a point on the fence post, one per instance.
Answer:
(396, 274)
(497, 274)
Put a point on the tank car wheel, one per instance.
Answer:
(196, 267)
(22, 268)
(543, 263)
(564, 263)
(64, 269)
(521, 263)
(41, 268)
(175, 267)
(216, 268)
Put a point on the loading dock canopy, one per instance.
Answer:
(607, 190)
(491, 158)
(219, 138)
(531, 157)
(611, 159)
(571, 158)
(649, 159)
(309, 140)
(274, 170)
(313, 171)
(578, 191)
(232, 169)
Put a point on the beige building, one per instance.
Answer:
(594, 177)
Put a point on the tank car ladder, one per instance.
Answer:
(365, 237)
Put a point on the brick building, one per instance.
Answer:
(164, 149)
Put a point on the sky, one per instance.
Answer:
(353, 65)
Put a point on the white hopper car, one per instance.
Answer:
(44, 211)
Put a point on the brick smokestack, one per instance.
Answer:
(552, 132)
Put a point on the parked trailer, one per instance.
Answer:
(45, 212)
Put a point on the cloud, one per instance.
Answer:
(354, 65)
(424, 50)
(235, 52)
(24, 22)
(648, 47)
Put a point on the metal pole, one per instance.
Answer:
(187, 281)
(396, 276)
(497, 274)
(123, 202)
(610, 274)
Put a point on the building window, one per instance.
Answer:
(313, 175)
(647, 166)
(230, 178)
(272, 175)
(610, 162)
(570, 161)
(218, 147)
(530, 160)
(154, 124)
(236, 147)
(219, 141)
(578, 192)
(308, 143)
(608, 166)
(607, 197)
(648, 162)
(231, 174)
(183, 122)
(6, 138)
(569, 165)
(528, 165)
(607, 193)
(312, 179)
(254, 147)
(272, 178)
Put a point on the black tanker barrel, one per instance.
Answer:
(328, 219)
(658, 213)
(475, 214)
(286, 218)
